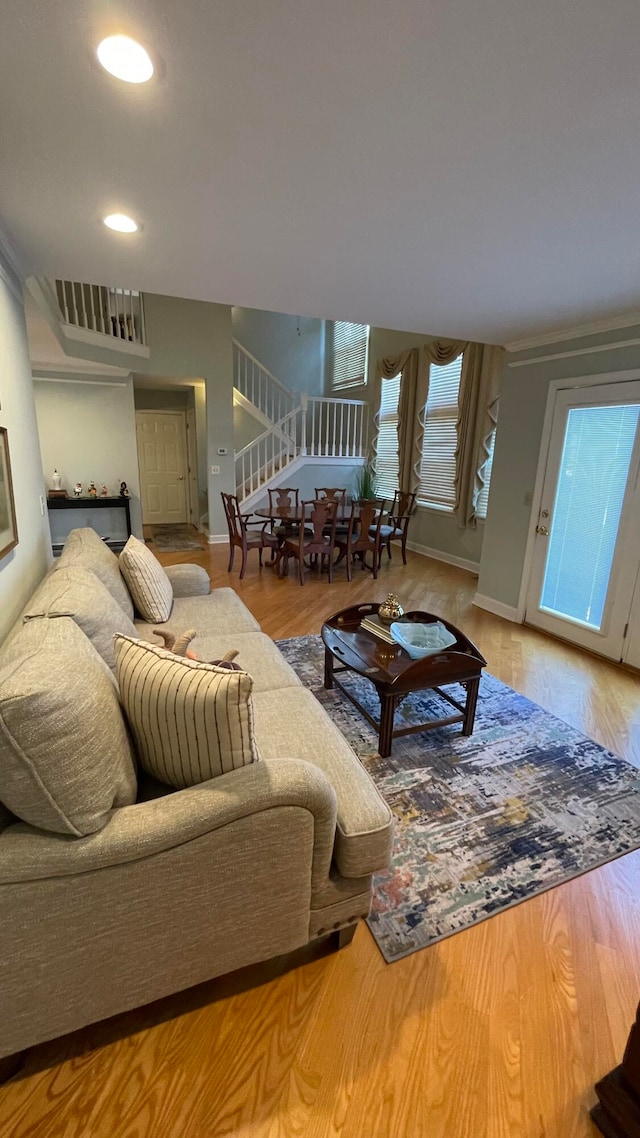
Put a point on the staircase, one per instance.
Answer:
(296, 428)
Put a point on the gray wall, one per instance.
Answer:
(22, 568)
(193, 338)
(290, 347)
(522, 408)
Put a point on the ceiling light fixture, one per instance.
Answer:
(123, 57)
(121, 223)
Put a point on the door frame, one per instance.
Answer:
(192, 453)
(555, 386)
(183, 416)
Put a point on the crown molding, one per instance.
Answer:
(607, 324)
(55, 368)
(12, 267)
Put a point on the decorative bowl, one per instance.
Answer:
(421, 640)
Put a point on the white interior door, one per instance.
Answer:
(162, 451)
(192, 462)
(587, 546)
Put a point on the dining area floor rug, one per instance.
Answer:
(481, 822)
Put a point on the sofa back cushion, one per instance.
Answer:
(147, 581)
(84, 549)
(65, 757)
(190, 721)
(78, 593)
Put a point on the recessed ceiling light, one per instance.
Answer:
(123, 57)
(121, 223)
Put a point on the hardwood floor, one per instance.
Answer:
(498, 1032)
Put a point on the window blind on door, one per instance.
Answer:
(387, 457)
(350, 350)
(439, 442)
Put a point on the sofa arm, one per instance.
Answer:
(146, 828)
(188, 580)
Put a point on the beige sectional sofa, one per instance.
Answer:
(178, 886)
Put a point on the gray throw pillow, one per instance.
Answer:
(65, 757)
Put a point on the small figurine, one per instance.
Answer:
(124, 492)
(104, 491)
(77, 490)
(92, 491)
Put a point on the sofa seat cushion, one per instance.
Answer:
(221, 612)
(290, 723)
(65, 757)
(191, 721)
(257, 655)
(78, 593)
(188, 580)
(147, 581)
(84, 549)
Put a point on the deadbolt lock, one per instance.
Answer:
(542, 530)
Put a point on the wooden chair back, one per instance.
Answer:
(283, 497)
(364, 524)
(402, 508)
(235, 521)
(333, 493)
(322, 519)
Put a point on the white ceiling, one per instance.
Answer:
(464, 167)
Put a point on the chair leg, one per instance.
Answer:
(349, 565)
(301, 568)
(244, 563)
(232, 553)
(388, 549)
(404, 550)
(260, 557)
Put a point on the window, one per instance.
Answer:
(483, 496)
(349, 356)
(387, 460)
(440, 440)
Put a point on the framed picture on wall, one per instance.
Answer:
(8, 527)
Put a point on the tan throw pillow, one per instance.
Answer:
(85, 549)
(147, 581)
(190, 721)
(65, 757)
(79, 594)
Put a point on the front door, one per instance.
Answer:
(587, 547)
(161, 437)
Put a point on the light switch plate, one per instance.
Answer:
(215, 469)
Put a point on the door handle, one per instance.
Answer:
(542, 530)
(181, 478)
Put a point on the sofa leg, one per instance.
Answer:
(344, 936)
(10, 1065)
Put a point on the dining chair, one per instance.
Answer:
(241, 537)
(316, 539)
(283, 498)
(363, 535)
(337, 494)
(397, 526)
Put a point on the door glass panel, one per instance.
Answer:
(592, 480)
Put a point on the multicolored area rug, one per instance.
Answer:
(485, 822)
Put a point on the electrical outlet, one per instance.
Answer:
(222, 450)
(215, 469)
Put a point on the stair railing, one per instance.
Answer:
(260, 387)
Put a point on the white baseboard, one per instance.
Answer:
(449, 558)
(508, 612)
(217, 538)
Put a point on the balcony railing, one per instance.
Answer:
(114, 312)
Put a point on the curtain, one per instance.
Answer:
(477, 418)
(405, 365)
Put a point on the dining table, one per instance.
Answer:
(293, 516)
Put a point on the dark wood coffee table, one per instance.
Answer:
(395, 675)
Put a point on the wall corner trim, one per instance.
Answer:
(12, 269)
(448, 558)
(507, 612)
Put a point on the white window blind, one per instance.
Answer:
(483, 496)
(387, 460)
(438, 465)
(349, 357)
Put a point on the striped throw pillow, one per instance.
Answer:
(190, 721)
(147, 581)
